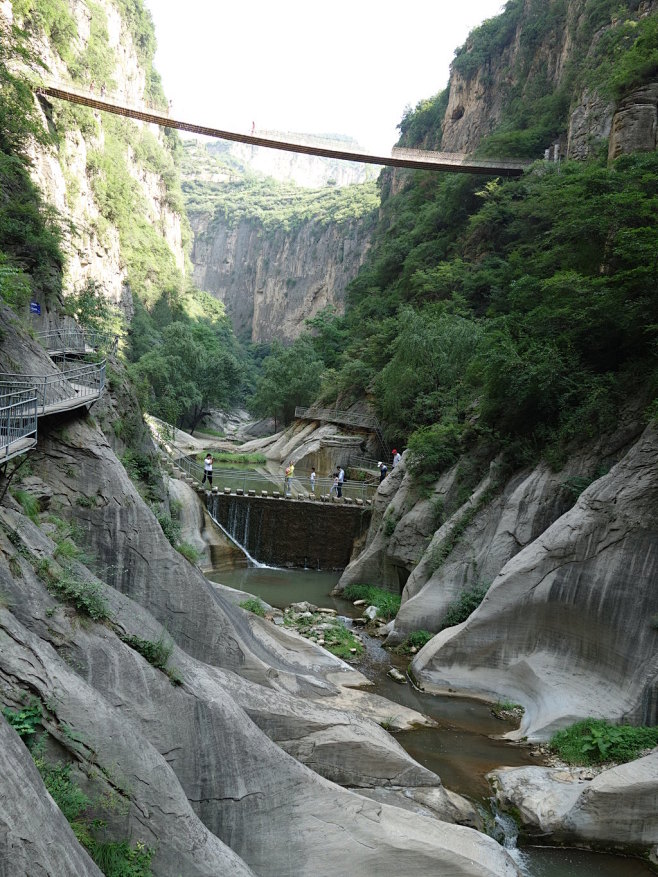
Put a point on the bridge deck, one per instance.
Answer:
(83, 396)
(407, 158)
(17, 447)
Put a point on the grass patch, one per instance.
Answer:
(188, 551)
(114, 858)
(254, 605)
(119, 859)
(415, 640)
(87, 597)
(157, 652)
(28, 503)
(215, 433)
(336, 638)
(467, 602)
(595, 741)
(340, 642)
(387, 603)
(87, 502)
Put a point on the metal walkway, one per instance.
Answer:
(26, 398)
(74, 386)
(18, 421)
(418, 159)
(71, 341)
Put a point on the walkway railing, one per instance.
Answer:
(75, 385)
(252, 479)
(72, 340)
(18, 420)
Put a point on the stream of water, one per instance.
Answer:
(461, 750)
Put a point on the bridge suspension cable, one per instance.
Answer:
(418, 159)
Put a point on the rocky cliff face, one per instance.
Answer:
(66, 173)
(271, 281)
(477, 99)
(199, 771)
(567, 623)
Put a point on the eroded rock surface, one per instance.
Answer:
(618, 807)
(565, 628)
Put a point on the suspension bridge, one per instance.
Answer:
(418, 159)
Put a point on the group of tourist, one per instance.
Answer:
(383, 468)
(338, 476)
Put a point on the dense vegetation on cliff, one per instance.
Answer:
(181, 346)
(217, 184)
(517, 314)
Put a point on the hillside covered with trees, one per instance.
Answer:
(511, 315)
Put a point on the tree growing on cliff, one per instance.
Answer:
(190, 372)
(291, 377)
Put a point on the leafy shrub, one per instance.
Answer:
(387, 603)
(254, 605)
(432, 449)
(70, 799)
(25, 721)
(461, 609)
(595, 741)
(415, 640)
(170, 528)
(87, 597)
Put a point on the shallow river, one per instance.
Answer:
(461, 749)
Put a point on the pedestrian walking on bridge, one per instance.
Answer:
(207, 469)
(290, 471)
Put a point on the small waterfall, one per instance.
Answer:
(506, 832)
(231, 537)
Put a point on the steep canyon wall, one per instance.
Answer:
(272, 280)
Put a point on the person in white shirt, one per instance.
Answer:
(313, 480)
(341, 478)
(207, 469)
(396, 458)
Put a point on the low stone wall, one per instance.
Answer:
(291, 532)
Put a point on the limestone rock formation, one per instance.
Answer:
(199, 780)
(618, 807)
(565, 629)
(272, 281)
(635, 123)
(34, 834)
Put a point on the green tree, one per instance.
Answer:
(291, 377)
(190, 372)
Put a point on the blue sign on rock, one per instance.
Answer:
(35, 307)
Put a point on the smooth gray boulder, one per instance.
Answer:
(150, 802)
(617, 808)
(276, 814)
(566, 627)
(35, 837)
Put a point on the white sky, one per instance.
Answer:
(344, 67)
